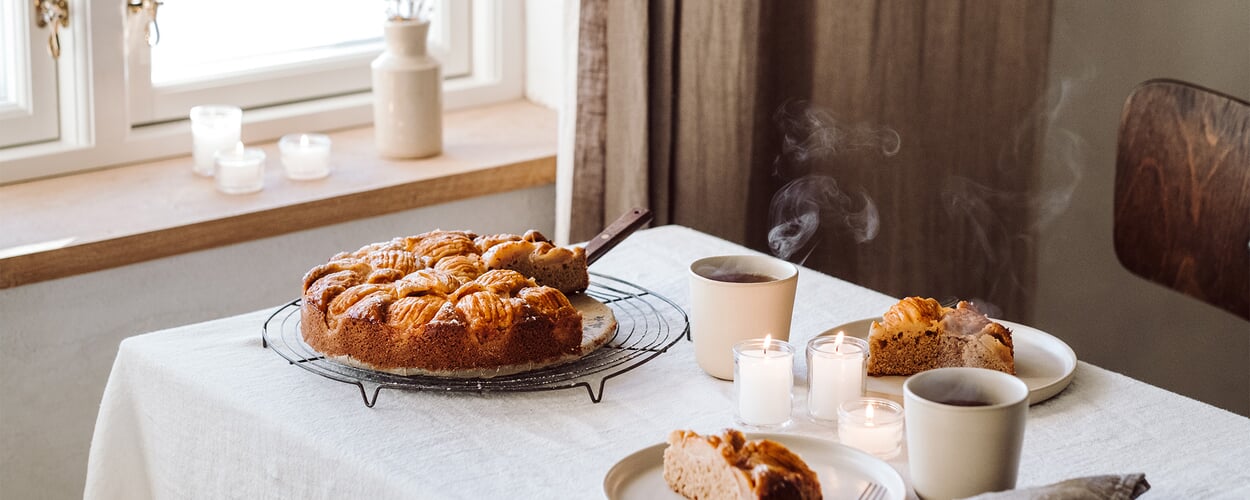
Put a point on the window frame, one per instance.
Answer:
(95, 120)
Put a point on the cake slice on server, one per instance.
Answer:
(918, 334)
(533, 255)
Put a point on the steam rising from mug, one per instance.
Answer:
(796, 213)
(810, 197)
(990, 213)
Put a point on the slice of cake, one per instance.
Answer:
(918, 334)
(726, 465)
(533, 255)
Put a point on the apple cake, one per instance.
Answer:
(455, 304)
(918, 334)
(727, 465)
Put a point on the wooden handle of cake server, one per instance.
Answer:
(616, 232)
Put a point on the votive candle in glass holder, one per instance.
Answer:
(240, 170)
(873, 425)
(836, 373)
(305, 156)
(763, 382)
(213, 127)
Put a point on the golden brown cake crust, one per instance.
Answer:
(727, 465)
(918, 334)
(431, 304)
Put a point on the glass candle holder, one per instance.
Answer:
(873, 425)
(836, 373)
(763, 382)
(240, 170)
(305, 156)
(213, 128)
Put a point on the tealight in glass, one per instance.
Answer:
(836, 373)
(240, 170)
(763, 382)
(305, 156)
(873, 425)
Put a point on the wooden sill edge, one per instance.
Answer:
(526, 159)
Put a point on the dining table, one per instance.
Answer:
(211, 410)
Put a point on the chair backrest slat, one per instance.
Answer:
(1182, 192)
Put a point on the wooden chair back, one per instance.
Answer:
(1182, 192)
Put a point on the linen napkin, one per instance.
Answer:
(1108, 487)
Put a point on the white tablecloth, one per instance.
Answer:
(203, 411)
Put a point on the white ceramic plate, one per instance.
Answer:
(843, 471)
(1043, 362)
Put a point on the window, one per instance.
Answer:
(293, 65)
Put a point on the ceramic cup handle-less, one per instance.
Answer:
(965, 430)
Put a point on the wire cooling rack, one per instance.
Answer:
(648, 324)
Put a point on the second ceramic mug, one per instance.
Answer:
(965, 429)
(735, 298)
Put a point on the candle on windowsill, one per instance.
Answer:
(763, 381)
(240, 170)
(835, 374)
(305, 156)
(213, 128)
(873, 425)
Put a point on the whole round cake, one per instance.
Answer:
(452, 303)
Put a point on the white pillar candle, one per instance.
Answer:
(240, 170)
(305, 156)
(873, 425)
(213, 128)
(763, 381)
(835, 374)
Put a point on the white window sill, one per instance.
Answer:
(86, 222)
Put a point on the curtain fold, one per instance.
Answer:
(590, 142)
(623, 162)
(895, 144)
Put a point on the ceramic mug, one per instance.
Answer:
(735, 298)
(965, 428)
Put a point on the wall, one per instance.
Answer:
(58, 338)
(546, 39)
(1101, 50)
(550, 71)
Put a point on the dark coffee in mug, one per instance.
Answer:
(964, 402)
(742, 277)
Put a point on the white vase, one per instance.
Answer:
(407, 94)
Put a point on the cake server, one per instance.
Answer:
(615, 233)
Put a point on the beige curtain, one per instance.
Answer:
(904, 135)
(611, 172)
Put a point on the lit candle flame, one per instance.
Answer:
(837, 342)
(303, 141)
(768, 339)
(238, 148)
(868, 416)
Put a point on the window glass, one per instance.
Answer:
(209, 38)
(254, 53)
(28, 106)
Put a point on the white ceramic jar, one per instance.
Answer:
(407, 94)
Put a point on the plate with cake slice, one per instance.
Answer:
(731, 464)
(918, 334)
